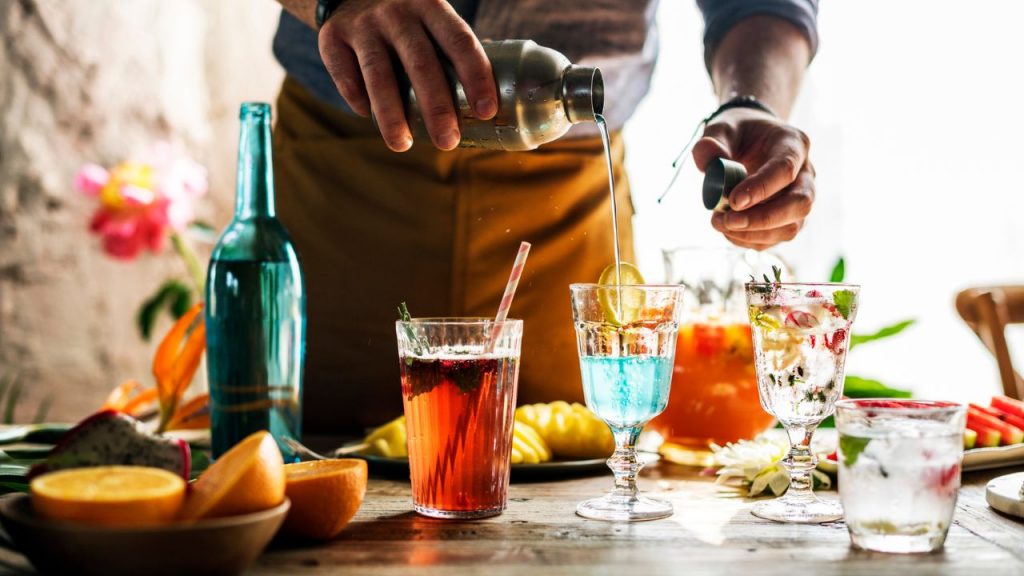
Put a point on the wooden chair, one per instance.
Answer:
(987, 310)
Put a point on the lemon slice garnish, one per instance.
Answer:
(624, 304)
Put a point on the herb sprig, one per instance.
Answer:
(768, 285)
(419, 346)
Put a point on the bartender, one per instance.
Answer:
(379, 218)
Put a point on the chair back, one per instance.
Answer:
(988, 310)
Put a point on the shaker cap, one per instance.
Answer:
(720, 176)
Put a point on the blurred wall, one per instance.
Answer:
(99, 81)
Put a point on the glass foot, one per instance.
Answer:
(812, 510)
(614, 508)
(457, 514)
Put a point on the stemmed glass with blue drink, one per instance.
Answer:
(626, 335)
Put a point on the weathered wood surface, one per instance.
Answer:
(711, 533)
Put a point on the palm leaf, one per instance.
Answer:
(891, 330)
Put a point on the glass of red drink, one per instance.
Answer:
(459, 378)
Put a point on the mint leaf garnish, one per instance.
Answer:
(843, 299)
(838, 271)
(851, 447)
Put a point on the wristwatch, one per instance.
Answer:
(324, 9)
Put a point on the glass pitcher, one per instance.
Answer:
(713, 398)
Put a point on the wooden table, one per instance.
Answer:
(711, 533)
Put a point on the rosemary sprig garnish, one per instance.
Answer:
(418, 344)
(768, 284)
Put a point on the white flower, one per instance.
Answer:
(756, 464)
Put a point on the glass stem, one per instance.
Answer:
(800, 461)
(624, 463)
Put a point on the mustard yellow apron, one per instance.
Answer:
(438, 230)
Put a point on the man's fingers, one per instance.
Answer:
(767, 238)
(715, 143)
(786, 157)
(342, 65)
(463, 49)
(791, 205)
(379, 77)
(432, 93)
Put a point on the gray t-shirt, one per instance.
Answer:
(618, 36)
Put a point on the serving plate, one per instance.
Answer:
(214, 547)
(989, 458)
(399, 467)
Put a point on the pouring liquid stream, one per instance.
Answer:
(602, 127)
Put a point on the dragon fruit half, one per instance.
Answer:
(110, 437)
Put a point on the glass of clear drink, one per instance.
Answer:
(899, 471)
(801, 334)
(459, 379)
(626, 337)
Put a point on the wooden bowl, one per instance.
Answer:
(218, 546)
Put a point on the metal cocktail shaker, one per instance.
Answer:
(540, 96)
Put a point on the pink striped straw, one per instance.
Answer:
(510, 291)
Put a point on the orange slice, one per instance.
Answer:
(325, 495)
(109, 495)
(248, 478)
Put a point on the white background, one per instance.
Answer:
(914, 109)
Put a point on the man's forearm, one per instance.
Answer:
(763, 56)
(304, 10)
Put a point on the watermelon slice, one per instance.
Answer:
(1007, 417)
(1009, 433)
(987, 437)
(970, 438)
(1008, 405)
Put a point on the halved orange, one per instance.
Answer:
(325, 495)
(109, 495)
(247, 478)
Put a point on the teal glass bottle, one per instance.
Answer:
(255, 307)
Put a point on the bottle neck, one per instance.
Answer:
(255, 196)
(583, 93)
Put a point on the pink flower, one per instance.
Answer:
(141, 203)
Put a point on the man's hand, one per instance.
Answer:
(356, 45)
(770, 205)
(763, 56)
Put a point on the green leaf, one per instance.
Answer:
(850, 448)
(43, 410)
(838, 271)
(200, 462)
(8, 487)
(173, 295)
(857, 387)
(181, 302)
(13, 394)
(843, 299)
(203, 231)
(41, 433)
(27, 453)
(891, 330)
